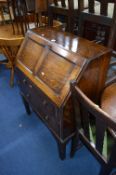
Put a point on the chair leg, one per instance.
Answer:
(12, 77)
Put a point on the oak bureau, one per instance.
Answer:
(46, 63)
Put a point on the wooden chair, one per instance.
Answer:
(105, 117)
(10, 47)
(95, 23)
(70, 9)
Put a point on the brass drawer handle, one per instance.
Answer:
(24, 81)
(44, 102)
(46, 117)
(30, 86)
(28, 95)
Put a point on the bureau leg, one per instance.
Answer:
(62, 150)
(26, 104)
(75, 145)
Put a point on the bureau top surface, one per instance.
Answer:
(70, 42)
(51, 59)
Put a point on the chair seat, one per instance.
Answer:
(75, 4)
(108, 100)
(97, 9)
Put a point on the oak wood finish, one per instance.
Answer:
(46, 63)
(105, 118)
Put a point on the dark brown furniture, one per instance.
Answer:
(46, 63)
(95, 23)
(70, 9)
(105, 118)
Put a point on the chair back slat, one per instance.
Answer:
(100, 134)
(104, 8)
(80, 5)
(91, 6)
(85, 123)
(56, 2)
(71, 5)
(63, 3)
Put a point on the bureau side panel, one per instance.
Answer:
(93, 79)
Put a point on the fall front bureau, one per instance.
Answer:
(46, 63)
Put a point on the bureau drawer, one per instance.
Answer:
(46, 110)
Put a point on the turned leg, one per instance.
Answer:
(26, 104)
(62, 150)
